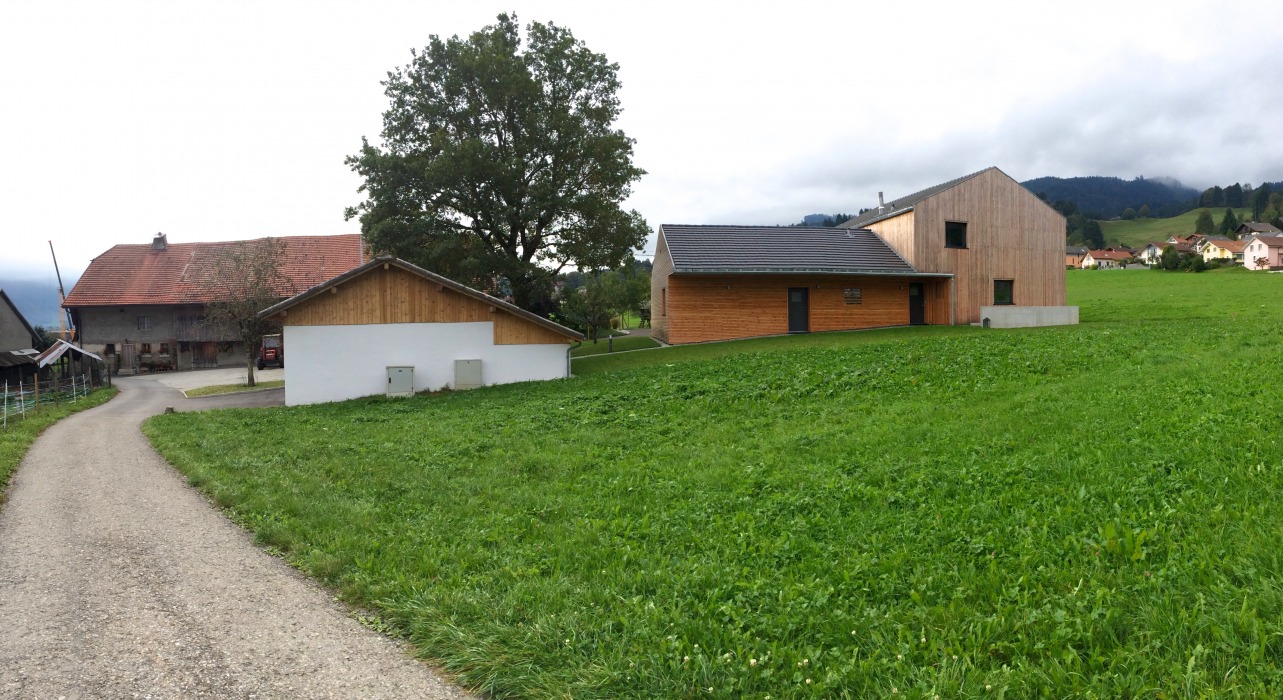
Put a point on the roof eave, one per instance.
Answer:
(806, 271)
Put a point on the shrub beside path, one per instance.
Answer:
(118, 580)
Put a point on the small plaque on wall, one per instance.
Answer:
(853, 295)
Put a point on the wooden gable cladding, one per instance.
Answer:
(390, 294)
(1011, 235)
(724, 307)
(659, 276)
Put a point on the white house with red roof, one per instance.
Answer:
(1107, 259)
(143, 305)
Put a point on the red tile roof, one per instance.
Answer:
(133, 274)
(1231, 246)
(1109, 255)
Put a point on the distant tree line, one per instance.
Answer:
(827, 220)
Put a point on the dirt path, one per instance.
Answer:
(117, 580)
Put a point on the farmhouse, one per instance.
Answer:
(1256, 228)
(391, 327)
(1263, 253)
(975, 248)
(1074, 256)
(1105, 259)
(144, 305)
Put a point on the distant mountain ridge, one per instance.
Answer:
(36, 300)
(1107, 197)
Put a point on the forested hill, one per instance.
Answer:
(1108, 197)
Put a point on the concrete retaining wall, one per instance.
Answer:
(1028, 316)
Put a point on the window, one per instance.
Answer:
(164, 348)
(146, 348)
(110, 349)
(955, 234)
(663, 309)
(144, 323)
(853, 295)
(1004, 292)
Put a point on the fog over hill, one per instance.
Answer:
(36, 299)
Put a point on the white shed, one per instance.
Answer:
(388, 322)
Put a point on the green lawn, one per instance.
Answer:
(16, 439)
(1139, 232)
(621, 344)
(232, 388)
(1090, 511)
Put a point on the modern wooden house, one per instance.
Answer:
(391, 327)
(727, 282)
(1001, 244)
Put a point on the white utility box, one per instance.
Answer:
(467, 374)
(400, 381)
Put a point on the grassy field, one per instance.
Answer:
(22, 431)
(1139, 232)
(1076, 512)
(621, 344)
(233, 388)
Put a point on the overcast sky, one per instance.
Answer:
(228, 120)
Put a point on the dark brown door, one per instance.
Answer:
(799, 310)
(917, 304)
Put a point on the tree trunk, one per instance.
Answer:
(249, 368)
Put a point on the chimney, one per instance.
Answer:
(159, 242)
(881, 205)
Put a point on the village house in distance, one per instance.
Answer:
(143, 305)
(980, 249)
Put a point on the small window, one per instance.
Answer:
(663, 308)
(955, 234)
(144, 323)
(164, 348)
(1004, 292)
(146, 348)
(110, 349)
(853, 295)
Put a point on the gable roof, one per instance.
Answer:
(1072, 250)
(430, 276)
(1231, 246)
(906, 203)
(1109, 255)
(59, 348)
(1178, 247)
(35, 339)
(181, 273)
(1268, 241)
(780, 249)
(1257, 227)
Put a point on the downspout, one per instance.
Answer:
(569, 350)
(953, 299)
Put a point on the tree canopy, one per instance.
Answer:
(500, 161)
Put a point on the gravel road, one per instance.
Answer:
(117, 580)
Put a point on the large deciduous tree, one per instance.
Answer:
(499, 162)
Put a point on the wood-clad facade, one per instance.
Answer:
(726, 307)
(390, 294)
(1010, 233)
(713, 283)
(349, 336)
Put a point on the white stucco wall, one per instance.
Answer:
(1029, 316)
(336, 363)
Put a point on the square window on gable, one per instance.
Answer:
(955, 234)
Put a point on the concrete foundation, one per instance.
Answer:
(1028, 316)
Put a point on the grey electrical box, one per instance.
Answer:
(400, 381)
(467, 374)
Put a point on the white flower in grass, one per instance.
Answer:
(752, 662)
(808, 681)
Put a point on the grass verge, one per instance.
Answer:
(232, 388)
(621, 344)
(22, 432)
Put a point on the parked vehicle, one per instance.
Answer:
(272, 352)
